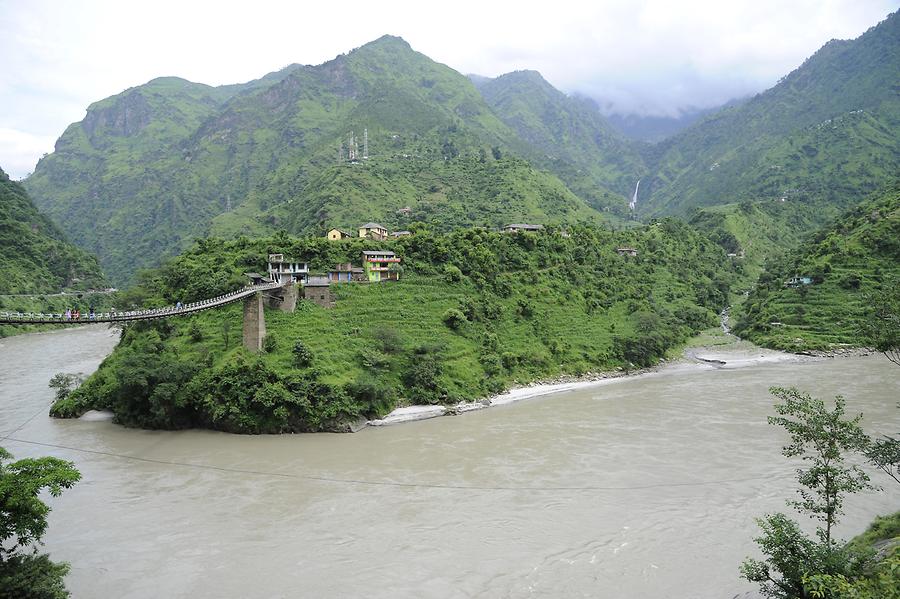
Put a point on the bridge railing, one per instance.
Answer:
(145, 314)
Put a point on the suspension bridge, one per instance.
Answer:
(254, 323)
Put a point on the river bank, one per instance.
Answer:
(733, 353)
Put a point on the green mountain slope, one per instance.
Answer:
(829, 128)
(568, 136)
(34, 255)
(474, 311)
(845, 263)
(757, 231)
(149, 169)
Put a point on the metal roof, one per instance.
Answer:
(524, 226)
(372, 226)
(377, 253)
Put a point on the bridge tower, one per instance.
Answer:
(254, 323)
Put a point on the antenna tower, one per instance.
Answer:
(365, 143)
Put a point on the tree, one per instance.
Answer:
(23, 522)
(879, 583)
(454, 318)
(882, 330)
(302, 356)
(226, 333)
(64, 383)
(821, 438)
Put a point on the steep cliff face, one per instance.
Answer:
(127, 116)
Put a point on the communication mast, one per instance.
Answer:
(366, 143)
(352, 149)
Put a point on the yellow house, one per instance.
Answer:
(373, 231)
(337, 234)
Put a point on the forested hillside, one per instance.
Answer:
(385, 128)
(841, 269)
(757, 231)
(151, 168)
(34, 255)
(828, 129)
(474, 311)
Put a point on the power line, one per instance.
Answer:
(381, 483)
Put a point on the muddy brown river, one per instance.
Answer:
(640, 488)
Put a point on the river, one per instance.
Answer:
(639, 488)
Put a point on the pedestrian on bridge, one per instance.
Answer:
(68, 314)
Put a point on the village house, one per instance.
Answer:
(317, 290)
(337, 234)
(401, 234)
(406, 210)
(373, 231)
(377, 265)
(522, 228)
(256, 278)
(285, 270)
(347, 273)
(627, 252)
(798, 281)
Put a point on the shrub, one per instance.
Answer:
(270, 343)
(371, 392)
(453, 318)
(509, 359)
(452, 274)
(374, 359)
(524, 308)
(422, 376)
(195, 333)
(302, 356)
(33, 577)
(491, 363)
(389, 339)
(65, 383)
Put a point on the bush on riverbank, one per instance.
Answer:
(521, 307)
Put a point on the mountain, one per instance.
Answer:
(567, 136)
(151, 168)
(837, 271)
(829, 128)
(34, 255)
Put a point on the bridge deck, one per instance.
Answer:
(149, 314)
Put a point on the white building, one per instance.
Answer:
(285, 270)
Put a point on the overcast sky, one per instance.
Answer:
(639, 56)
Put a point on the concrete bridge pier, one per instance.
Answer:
(254, 323)
(285, 297)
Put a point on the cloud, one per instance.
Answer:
(646, 56)
(21, 149)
